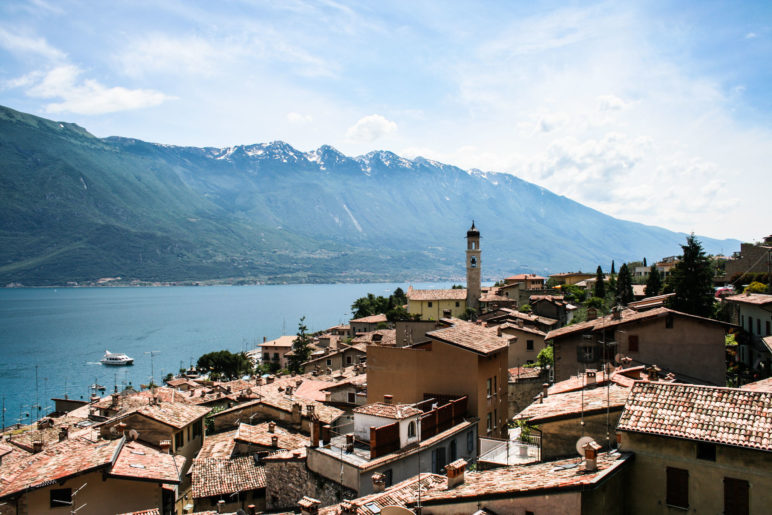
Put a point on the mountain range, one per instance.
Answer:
(75, 208)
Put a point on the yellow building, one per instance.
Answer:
(436, 304)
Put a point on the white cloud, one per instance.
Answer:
(751, 35)
(370, 128)
(87, 96)
(611, 103)
(300, 119)
(29, 45)
(160, 53)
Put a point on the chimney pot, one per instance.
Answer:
(37, 446)
(544, 388)
(271, 426)
(379, 482)
(251, 509)
(387, 399)
(349, 443)
(166, 446)
(455, 472)
(274, 441)
(220, 505)
(591, 456)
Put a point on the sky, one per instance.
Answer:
(656, 112)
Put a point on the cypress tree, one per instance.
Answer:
(644, 262)
(624, 291)
(600, 287)
(692, 281)
(654, 282)
(613, 271)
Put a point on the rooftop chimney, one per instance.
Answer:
(498, 331)
(251, 509)
(590, 377)
(264, 339)
(309, 505)
(455, 472)
(220, 505)
(37, 446)
(298, 382)
(592, 314)
(379, 482)
(350, 443)
(64, 431)
(310, 410)
(326, 434)
(387, 399)
(544, 388)
(271, 426)
(591, 456)
(519, 322)
(166, 446)
(316, 429)
(616, 313)
(274, 441)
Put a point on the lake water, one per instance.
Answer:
(61, 334)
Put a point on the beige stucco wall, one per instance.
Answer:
(691, 348)
(438, 368)
(518, 352)
(559, 436)
(435, 312)
(97, 497)
(646, 488)
(554, 504)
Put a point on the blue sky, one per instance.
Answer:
(657, 112)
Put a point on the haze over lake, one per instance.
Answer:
(65, 331)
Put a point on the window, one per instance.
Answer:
(329, 362)
(488, 387)
(769, 333)
(61, 497)
(198, 428)
(470, 442)
(495, 385)
(669, 321)
(453, 452)
(352, 398)
(677, 487)
(348, 360)
(411, 430)
(489, 422)
(750, 324)
(179, 440)
(276, 356)
(387, 477)
(587, 353)
(736, 500)
(758, 326)
(438, 460)
(495, 417)
(266, 356)
(458, 304)
(632, 343)
(430, 304)
(529, 362)
(529, 345)
(706, 451)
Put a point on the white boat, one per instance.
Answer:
(116, 359)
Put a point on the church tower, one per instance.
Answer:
(473, 268)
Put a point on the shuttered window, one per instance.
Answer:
(677, 487)
(736, 497)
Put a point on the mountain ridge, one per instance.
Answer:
(76, 208)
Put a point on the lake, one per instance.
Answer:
(60, 334)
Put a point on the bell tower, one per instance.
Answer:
(473, 268)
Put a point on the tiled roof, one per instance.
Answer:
(650, 302)
(281, 341)
(312, 390)
(758, 299)
(60, 461)
(572, 274)
(140, 461)
(260, 435)
(626, 316)
(219, 445)
(524, 328)
(574, 403)
(450, 294)
(151, 511)
(394, 411)
(473, 337)
(520, 373)
(372, 319)
(764, 385)
(175, 414)
(213, 476)
(523, 277)
(400, 494)
(528, 479)
(528, 317)
(729, 416)
(379, 337)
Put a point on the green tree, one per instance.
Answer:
(755, 287)
(624, 290)
(525, 308)
(644, 262)
(692, 281)
(600, 286)
(654, 282)
(301, 349)
(225, 364)
(400, 299)
(613, 270)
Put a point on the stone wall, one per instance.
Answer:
(522, 392)
(288, 480)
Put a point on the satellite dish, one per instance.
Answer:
(580, 443)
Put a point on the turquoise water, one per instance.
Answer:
(63, 333)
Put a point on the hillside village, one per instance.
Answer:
(574, 393)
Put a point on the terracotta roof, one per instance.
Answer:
(573, 274)
(281, 341)
(140, 461)
(527, 317)
(758, 299)
(650, 302)
(451, 294)
(521, 373)
(493, 297)
(394, 411)
(151, 511)
(372, 319)
(377, 337)
(523, 277)
(312, 390)
(626, 316)
(213, 476)
(174, 414)
(528, 479)
(728, 416)
(260, 435)
(401, 494)
(764, 385)
(219, 445)
(470, 336)
(524, 328)
(575, 402)
(554, 299)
